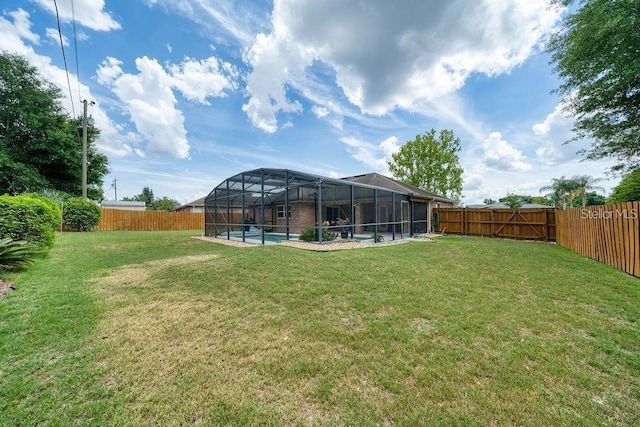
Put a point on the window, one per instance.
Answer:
(280, 210)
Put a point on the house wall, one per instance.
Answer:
(302, 216)
(123, 205)
(193, 209)
(358, 215)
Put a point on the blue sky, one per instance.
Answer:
(189, 93)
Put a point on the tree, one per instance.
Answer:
(594, 199)
(522, 198)
(572, 190)
(166, 204)
(489, 201)
(40, 145)
(512, 200)
(596, 55)
(430, 163)
(561, 189)
(628, 189)
(583, 184)
(146, 196)
(152, 203)
(540, 200)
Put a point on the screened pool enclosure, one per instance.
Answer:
(269, 205)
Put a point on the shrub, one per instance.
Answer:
(80, 215)
(54, 208)
(16, 255)
(29, 217)
(379, 239)
(328, 236)
(309, 235)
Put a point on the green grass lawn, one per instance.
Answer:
(157, 328)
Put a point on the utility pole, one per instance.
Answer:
(115, 187)
(84, 149)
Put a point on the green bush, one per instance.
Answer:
(16, 255)
(328, 236)
(29, 217)
(54, 208)
(309, 235)
(81, 215)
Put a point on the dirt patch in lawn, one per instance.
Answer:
(5, 288)
(140, 274)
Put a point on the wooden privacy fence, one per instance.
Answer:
(527, 224)
(610, 234)
(117, 219)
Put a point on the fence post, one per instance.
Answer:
(492, 225)
(465, 225)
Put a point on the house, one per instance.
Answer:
(123, 205)
(286, 201)
(197, 206)
(421, 199)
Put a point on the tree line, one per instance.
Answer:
(152, 203)
(40, 144)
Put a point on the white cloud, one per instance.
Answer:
(502, 156)
(13, 33)
(149, 99)
(198, 80)
(272, 62)
(89, 13)
(371, 155)
(53, 34)
(472, 181)
(109, 70)
(389, 147)
(220, 17)
(389, 54)
(552, 134)
(320, 112)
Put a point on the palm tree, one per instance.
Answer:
(584, 184)
(561, 188)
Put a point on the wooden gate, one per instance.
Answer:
(525, 224)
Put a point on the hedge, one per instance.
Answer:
(80, 215)
(29, 217)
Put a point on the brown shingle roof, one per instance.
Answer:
(392, 184)
(196, 203)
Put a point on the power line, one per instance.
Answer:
(75, 45)
(64, 57)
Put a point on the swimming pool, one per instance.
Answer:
(252, 237)
(270, 237)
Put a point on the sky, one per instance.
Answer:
(189, 93)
